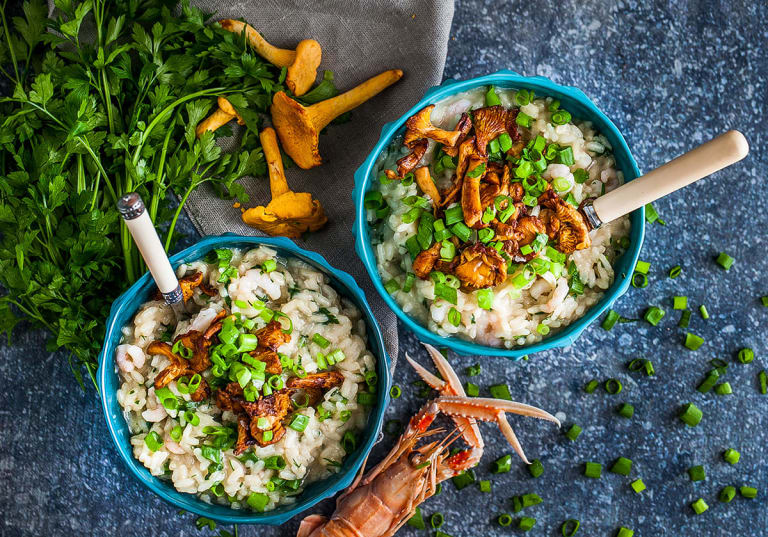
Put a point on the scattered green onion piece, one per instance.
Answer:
(675, 271)
(500, 391)
(392, 286)
(410, 277)
(504, 520)
(522, 97)
(748, 492)
(153, 441)
(570, 527)
(709, 381)
(436, 520)
(649, 371)
(593, 470)
(724, 389)
(464, 479)
(366, 398)
(502, 465)
(454, 317)
(622, 466)
(613, 386)
(591, 386)
(692, 341)
(176, 433)
(536, 468)
(704, 312)
(523, 119)
(727, 494)
(680, 302)
(270, 264)
(626, 410)
(417, 520)
(517, 504)
(454, 215)
(395, 392)
(642, 267)
(685, 319)
(697, 473)
(762, 378)
(624, 532)
(299, 423)
(321, 341)
(610, 320)
(531, 499)
(561, 117)
(485, 298)
(543, 329)
(473, 390)
(526, 523)
(691, 415)
(573, 433)
(654, 315)
(764, 300)
(485, 486)
(731, 456)
(639, 280)
(746, 355)
(636, 364)
(699, 506)
(267, 436)
(637, 485)
(725, 261)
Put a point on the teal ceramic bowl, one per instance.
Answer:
(123, 311)
(581, 107)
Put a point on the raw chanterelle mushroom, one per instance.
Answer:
(299, 126)
(289, 214)
(223, 115)
(301, 63)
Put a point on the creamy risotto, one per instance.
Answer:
(476, 223)
(261, 390)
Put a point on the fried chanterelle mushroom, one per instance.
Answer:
(481, 266)
(188, 285)
(567, 223)
(289, 214)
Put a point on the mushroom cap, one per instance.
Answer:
(288, 215)
(297, 132)
(301, 74)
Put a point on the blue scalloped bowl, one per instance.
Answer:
(581, 107)
(126, 306)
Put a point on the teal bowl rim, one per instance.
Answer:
(581, 107)
(125, 307)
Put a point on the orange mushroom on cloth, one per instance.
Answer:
(289, 214)
(301, 64)
(299, 126)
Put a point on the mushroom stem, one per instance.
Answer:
(278, 184)
(276, 56)
(326, 111)
(223, 115)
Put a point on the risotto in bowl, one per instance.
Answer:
(469, 215)
(260, 401)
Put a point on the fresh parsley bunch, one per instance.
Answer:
(105, 97)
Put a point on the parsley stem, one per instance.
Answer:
(10, 46)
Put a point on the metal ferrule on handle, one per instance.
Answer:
(698, 163)
(133, 211)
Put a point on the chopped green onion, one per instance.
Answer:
(570, 527)
(417, 520)
(366, 399)
(692, 341)
(762, 378)
(436, 520)
(725, 261)
(191, 418)
(704, 312)
(642, 267)
(622, 466)
(522, 97)
(473, 370)
(299, 423)
(746, 355)
(651, 215)
(613, 386)
(274, 462)
(654, 315)
(505, 142)
(176, 433)
(258, 501)
(680, 302)
(565, 156)
(446, 292)
(610, 320)
(624, 532)
(526, 523)
(454, 317)
(464, 479)
(485, 486)
(727, 494)
(685, 319)
(697, 473)
(153, 441)
(454, 215)
(764, 300)
(723, 389)
(473, 390)
(675, 271)
(410, 277)
(395, 391)
(573, 433)
(500, 391)
(536, 468)
(270, 264)
(636, 364)
(491, 99)
(349, 442)
(690, 415)
(709, 381)
(639, 280)
(392, 286)
(593, 470)
(461, 230)
(531, 499)
(731, 456)
(699, 506)
(748, 492)
(502, 465)
(504, 519)
(561, 117)
(626, 410)
(637, 485)
(591, 386)
(267, 436)
(649, 371)
(543, 329)
(321, 341)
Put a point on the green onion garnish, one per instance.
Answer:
(436, 520)
(531, 499)
(748, 492)
(258, 501)
(746, 355)
(762, 378)
(709, 381)
(395, 391)
(299, 423)
(692, 341)
(680, 302)
(410, 277)
(654, 315)
(417, 521)
(591, 386)
(504, 519)
(642, 267)
(639, 280)
(270, 264)
(491, 99)
(636, 364)
(610, 320)
(570, 527)
(500, 391)
(685, 319)
(731, 456)
(464, 479)
(724, 389)
(473, 370)
(675, 271)
(613, 386)
(561, 117)
(727, 494)
(593, 470)
(690, 415)
(485, 298)
(153, 441)
(523, 119)
(625, 532)
(485, 486)
(764, 300)
(725, 261)
(699, 506)
(704, 312)
(649, 371)
(536, 468)
(651, 215)
(626, 410)
(502, 465)
(527, 523)
(573, 433)
(622, 466)
(473, 390)
(321, 341)
(638, 486)
(697, 473)
(392, 286)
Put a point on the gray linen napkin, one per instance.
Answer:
(359, 40)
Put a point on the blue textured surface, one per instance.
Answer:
(124, 309)
(671, 75)
(581, 107)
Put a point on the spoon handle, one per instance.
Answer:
(726, 149)
(133, 211)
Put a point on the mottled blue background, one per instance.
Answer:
(671, 75)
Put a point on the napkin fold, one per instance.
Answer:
(359, 39)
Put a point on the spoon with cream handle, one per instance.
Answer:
(706, 159)
(133, 211)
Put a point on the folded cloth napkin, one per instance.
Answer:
(359, 40)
